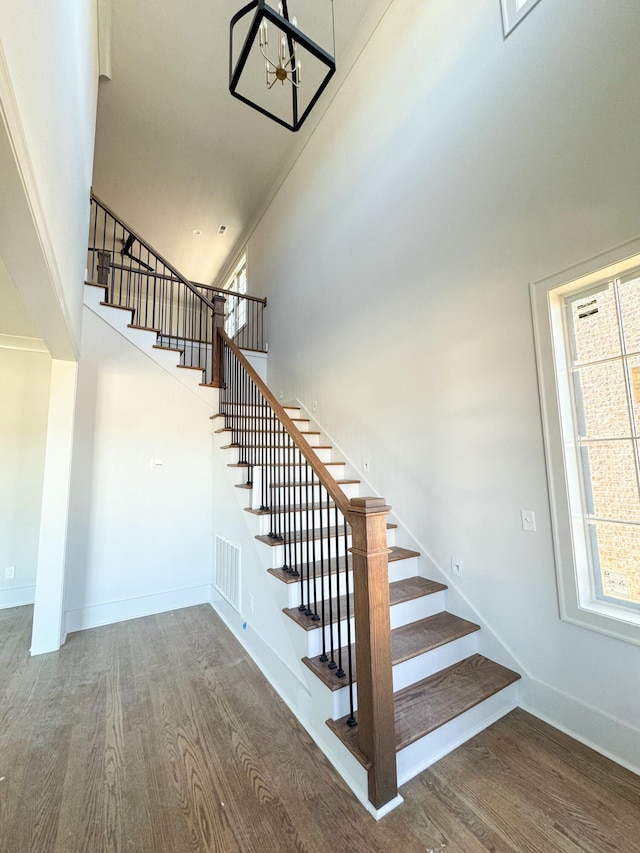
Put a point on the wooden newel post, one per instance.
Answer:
(216, 348)
(376, 725)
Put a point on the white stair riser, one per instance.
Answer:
(282, 456)
(297, 553)
(249, 425)
(313, 493)
(419, 667)
(424, 665)
(278, 441)
(397, 611)
(423, 753)
(417, 608)
(249, 410)
(322, 591)
(315, 519)
(314, 638)
(290, 474)
(400, 570)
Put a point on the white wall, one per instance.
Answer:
(24, 391)
(48, 97)
(139, 537)
(453, 168)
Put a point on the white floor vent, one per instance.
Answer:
(227, 571)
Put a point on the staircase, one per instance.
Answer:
(444, 691)
(321, 544)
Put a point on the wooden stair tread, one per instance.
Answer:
(400, 591)
(144, 328)
(307, 535)
(230, 429)
(266, 417)
(342, 482)
(277, 447)
(279, 464)
(423, 707)
(407, 642)
(295, 508)
(415, 587)
(394, 555)
(190, 367)
(121, 307)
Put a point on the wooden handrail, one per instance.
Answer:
(338, 496)
(152, 251)
(262, 299)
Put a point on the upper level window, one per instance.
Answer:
(588, 347)
(236, 309)
(513, 11)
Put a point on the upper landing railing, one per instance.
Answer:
(184, 314)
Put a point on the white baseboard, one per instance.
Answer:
(134, 608)
(297, 698)
(596, 729)
(17, 597)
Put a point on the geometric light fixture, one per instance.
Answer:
(273, 66)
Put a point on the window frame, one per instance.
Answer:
(513, 12)
(577, 602)
(236, 286)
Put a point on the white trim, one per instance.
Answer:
(48, 622)
(596, 729)
(569, 551)
(109, 612)
(17, 596)
(22, 343)
(105, 19)
(513, 12)
(10, 116)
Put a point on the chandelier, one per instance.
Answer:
(274, 43)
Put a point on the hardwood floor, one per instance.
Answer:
(159, 735)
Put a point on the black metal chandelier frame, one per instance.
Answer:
(293, 35)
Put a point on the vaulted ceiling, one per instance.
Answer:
(174, 151)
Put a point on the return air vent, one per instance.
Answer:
(227, 571)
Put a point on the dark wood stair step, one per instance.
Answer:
(229, 429)
(425, 706)
(278, 447)
(309, 483)
(279, 464)
(332, 566)
(295, 508)
(399, 592)
(308, 535)
(407, 642)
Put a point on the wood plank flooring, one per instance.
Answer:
(159, 735)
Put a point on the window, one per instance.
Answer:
(588, 349)
(513, 11)
(236, 307)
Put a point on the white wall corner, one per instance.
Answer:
(49, 594)
(105, 18)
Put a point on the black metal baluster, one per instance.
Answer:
(323, 657)
(332, 662)
(340, 670)
(351, 720)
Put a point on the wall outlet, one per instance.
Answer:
(10, 573)
(281, 394)
(251, 603)
(528, 520)
(314, 406)
(456, 566)
(365, 466)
